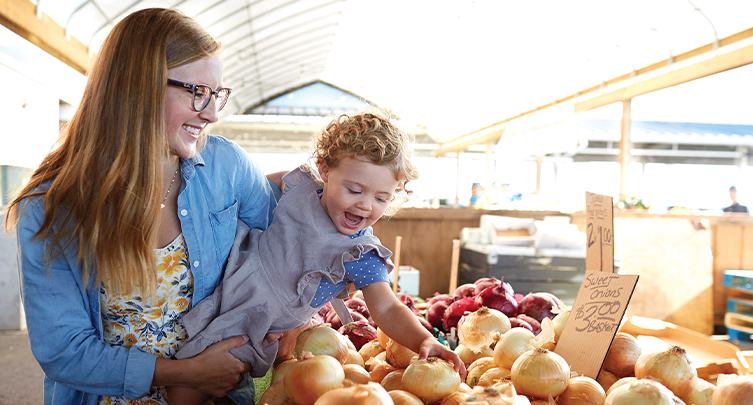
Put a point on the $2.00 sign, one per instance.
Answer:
(602, 298)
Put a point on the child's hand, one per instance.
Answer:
(431, 347)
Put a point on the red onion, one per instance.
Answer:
(435, 313)
(538, 306)
(425, 323)
(409, 301)
(484, 283)
(336, 323)
(438, 297)
(518, 297)
(456, 310)
(359, 332)
(535, 325)
(497, 298)
(465, 290)
(359, 306)
(519, 323)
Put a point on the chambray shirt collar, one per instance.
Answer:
(187, 166)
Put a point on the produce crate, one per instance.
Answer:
(739, 316)
(710, 357)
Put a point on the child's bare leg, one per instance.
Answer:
(185, 396)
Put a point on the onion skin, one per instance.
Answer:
(455, 398)
(646, 391)
(370, 350)
(497, 298)
(559, 322)
(393, 381)
(359, 306)
(701, 393)
(582, 391)
(354, 358)
(535, 325)
(738, 392)
(465, 290)
(321, 339)
(477, 369)
(399, 355)
(311, 377)
(431, 379)
(670, 367)
(493, 376)
(606, 379)
(275, 395)
(478, 329)
(359, 333)
(519, 323)
(540, 373)
(279, 372)
(358, 394)
(468, 356)
(356, 374)
(400, 397)
(622, 355)
(511, 345)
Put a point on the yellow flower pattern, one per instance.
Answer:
(129, 321)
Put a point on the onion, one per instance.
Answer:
(359, 333)
(540, 373)
(538, 306)
(493, 376)
(356, 394)
(497, 298)
(479, 328)
(620, 382)
(492, 396)
(358, 305)
(438, 297)
(582, 391)
(477, 369)
(321, 339)
(559, 322)
(399, 355)
(646, 391)
(379, 371)
(279, 372)
(275, 395)
(400, 397)
(311, 376)
(465, 290)
(382, 338)
(622, 355)
(356, 374)
(409, 302)
(435, 313)
(535, 324)
(468, 356)
(738, 392)
(455, 398)
(606, 379)
(393, 380)
(519, 323)
(425, 324)
(370, 350)
(457, 310)
(671, 367)
(486, 282)
(334, 320)
(431, 379)
(464, 388)
(354, 358)
(701, 393)
(511, 345)
(376, 360)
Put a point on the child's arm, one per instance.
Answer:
(400, 324)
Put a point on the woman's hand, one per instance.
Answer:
(431, 347)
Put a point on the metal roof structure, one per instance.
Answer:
(463, 69)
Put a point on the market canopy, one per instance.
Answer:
(463, 69)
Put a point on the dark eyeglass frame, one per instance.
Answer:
(192, 88)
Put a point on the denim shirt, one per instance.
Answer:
(220, 185)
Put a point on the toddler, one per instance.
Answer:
(319, 242)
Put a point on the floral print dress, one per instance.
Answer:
(129, 321)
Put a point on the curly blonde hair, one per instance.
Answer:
(371, 134)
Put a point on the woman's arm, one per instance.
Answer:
(400, 323)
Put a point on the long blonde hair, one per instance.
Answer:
(105, 173)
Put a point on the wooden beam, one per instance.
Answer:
(716, 64)
(720, 63)
(20, 17)
(625, 146)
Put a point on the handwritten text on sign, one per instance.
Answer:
(594, 320)
(599, 225)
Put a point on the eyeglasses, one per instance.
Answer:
(202, 93)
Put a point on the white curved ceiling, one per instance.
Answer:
(451, 65)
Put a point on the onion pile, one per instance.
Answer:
(670, 367)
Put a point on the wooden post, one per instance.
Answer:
(625, 147)
(539, 163)
(396, 262)
(455, 263)
(457, 182)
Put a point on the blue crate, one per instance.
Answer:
(740, 306)
(740, 336)
(739, 279)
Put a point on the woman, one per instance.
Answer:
(130, 219)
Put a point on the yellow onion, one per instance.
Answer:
(671, 367)
(379, 371)
(511, 345)
(468, 356)
(582, 391)
(622, 355)
(559, 322)
(370, 350)
(540, 373)
(540, 402)
(399, 355)
(356, 374)
(606, 379)
(479, 329)
(393, 380)
(738, 391)
(493, 376)
(646, 391)
(478, 368)
(356, 394)
(312, 376)
(491, 396)
(431, 379)
(701, 393)
(400, 397)
(376, 360)
(464, 388)
(354, 358)
(455, 398)
(348, 342)
(279, 373)
(275, 395)
(321, 339)
(382, 337)
(620, 382)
